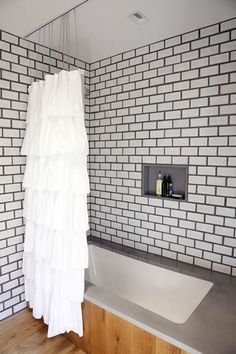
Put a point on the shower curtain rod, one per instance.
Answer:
(56, 18)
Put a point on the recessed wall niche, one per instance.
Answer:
(179, 176)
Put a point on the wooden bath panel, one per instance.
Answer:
(105, 333)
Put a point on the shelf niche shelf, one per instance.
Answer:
(179, 176)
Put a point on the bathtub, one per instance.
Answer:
(167, 293)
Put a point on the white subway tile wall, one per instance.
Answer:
(168, 102)
(21, 62)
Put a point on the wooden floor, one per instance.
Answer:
(22, 334)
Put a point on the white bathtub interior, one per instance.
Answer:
(167, 293)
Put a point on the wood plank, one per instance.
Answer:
(137, 341)
(18, 328)
(97, 327)
(148, 343)
(22, 333)
(164, 347)
(118, 334)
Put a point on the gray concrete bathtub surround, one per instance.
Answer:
(211, 327)
(171, 102)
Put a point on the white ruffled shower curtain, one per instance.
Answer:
(55, 207)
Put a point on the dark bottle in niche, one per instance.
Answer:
(169, 186)
(164, 186)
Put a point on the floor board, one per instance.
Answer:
(23, 334)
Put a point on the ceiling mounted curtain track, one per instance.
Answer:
(56, 18)
(45, 36)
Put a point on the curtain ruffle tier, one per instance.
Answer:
(55, 207)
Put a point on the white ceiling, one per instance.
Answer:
(104, 28)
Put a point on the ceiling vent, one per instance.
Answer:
(138, 17)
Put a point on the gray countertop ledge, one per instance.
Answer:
(211, 329)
